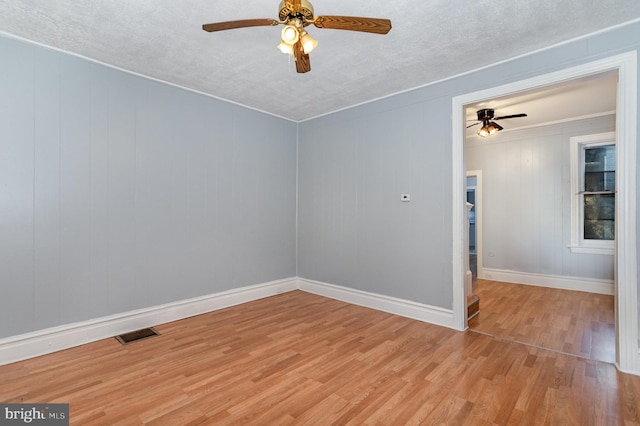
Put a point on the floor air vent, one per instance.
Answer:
(136, 336)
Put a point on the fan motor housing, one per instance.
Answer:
(306, 10)
(485, 114)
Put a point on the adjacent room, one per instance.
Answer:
(522, 182)
(257, 213)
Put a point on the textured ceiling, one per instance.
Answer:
(429, 41)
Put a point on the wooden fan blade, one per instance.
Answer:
(474, 124)
(303, 64)
(510, 116)
(354, 23)
(230, 25)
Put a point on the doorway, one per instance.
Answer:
(626, 302)
(527, 168)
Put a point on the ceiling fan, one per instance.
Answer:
(489, 127)
(295, 15)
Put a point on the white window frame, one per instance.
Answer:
(578, 144)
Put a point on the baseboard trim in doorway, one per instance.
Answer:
(589, 285)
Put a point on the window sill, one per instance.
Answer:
(592, 250)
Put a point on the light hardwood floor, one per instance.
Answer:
(574, 322)
(299, 358)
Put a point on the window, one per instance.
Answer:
(593, 189)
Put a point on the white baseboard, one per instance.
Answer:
(41, 342)
(589, 285)
(29, 345)
(405, 308)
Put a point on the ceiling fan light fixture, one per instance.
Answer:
(285, 48)
(308, 42)
(483, 132)
(290, 34)
(296, 15)
(489, 128)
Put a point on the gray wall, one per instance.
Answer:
(353, 229)
(526, 193)
(119, 193)
(353, 165)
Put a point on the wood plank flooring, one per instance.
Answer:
(299, 358)
(574, 322)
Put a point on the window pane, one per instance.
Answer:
(599, 215)
(599, 181)
(600, 168)
(599, 230)
(599, 209)
(599, 159)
